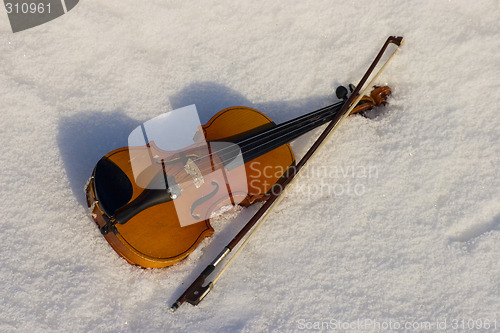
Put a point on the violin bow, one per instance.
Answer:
(197, 291)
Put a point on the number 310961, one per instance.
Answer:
(25, 8)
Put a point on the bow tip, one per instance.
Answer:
(175, 306)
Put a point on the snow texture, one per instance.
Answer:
(396, 220)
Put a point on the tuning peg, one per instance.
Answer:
(341, 93)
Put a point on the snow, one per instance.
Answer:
(419, 241)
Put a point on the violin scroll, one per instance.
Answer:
(380, 94)
(377, 97)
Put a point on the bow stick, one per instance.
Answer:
(195, 293)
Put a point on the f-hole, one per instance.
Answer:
(203, 199)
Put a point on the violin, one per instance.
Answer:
(158, 216)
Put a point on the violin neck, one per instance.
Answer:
(262, 142)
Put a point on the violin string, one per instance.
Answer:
(323, 118)
(328, 110)
(233, 150)
(312, 125)
(307, 127)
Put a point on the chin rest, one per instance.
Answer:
(112, 187)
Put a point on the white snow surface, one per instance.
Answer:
(396, 220)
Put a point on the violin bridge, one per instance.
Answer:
(192, 170)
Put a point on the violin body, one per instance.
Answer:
(154, 237)
(147, 226)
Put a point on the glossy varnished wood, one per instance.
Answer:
(154, 237)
